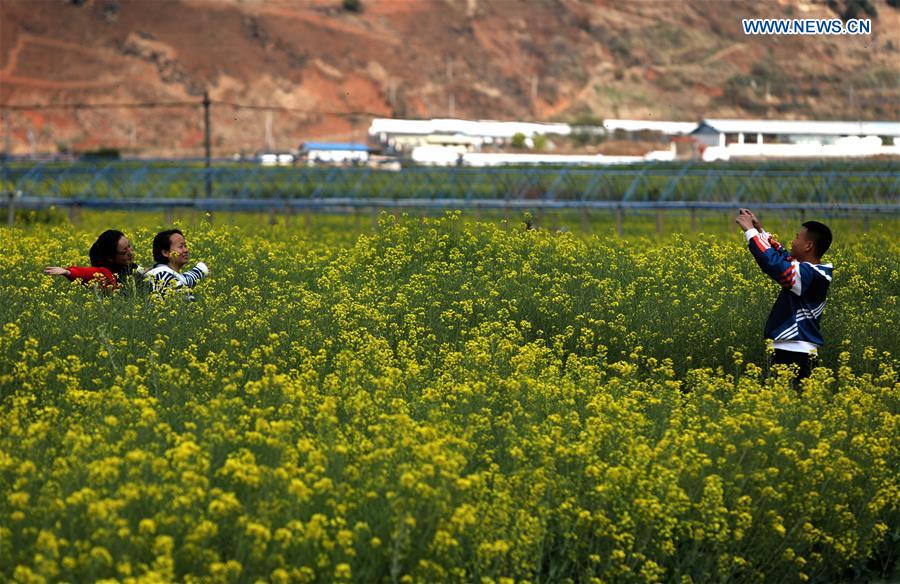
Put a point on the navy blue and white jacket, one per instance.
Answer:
(163, 278)
(793, 323)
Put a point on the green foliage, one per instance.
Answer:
(442, 400)
(48, 216)
(858, 181)
(849, 9)
(587, 136)
(352, 5)
(518, 140)
(102, 152)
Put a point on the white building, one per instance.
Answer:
(276, 159)
(721, 132)
(727, 139)
(517, 159)
(406, 135)
(661, 127)
(334, 152)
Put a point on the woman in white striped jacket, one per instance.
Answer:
(171, 254)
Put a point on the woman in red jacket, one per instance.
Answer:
(112, 261)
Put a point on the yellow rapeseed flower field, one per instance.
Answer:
(444, 400)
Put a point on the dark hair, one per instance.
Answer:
(163, 242)
(820, 236)
(103, 252)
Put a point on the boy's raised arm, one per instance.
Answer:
(773, 259)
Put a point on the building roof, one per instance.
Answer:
(800, 127)
(480, 128)
(339, 146)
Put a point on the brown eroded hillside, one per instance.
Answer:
(502, 59)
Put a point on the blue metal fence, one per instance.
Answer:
(869, 186)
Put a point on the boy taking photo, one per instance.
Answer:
(793, 323)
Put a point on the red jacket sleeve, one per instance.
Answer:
(89, 274)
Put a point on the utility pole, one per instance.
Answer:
(206, 143)
(451, 102)
(7, 135)
(851, 97)
(268, 126)
(6, 140)
(11, 203)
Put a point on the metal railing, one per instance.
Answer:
(867, 187)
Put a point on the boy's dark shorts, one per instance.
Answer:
(802, 360)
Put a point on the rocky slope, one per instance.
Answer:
(329, 69)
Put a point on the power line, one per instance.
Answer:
(279, 108)
(234, 105)
(50, 106)
(294, 109)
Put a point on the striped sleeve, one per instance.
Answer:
(195, 274)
